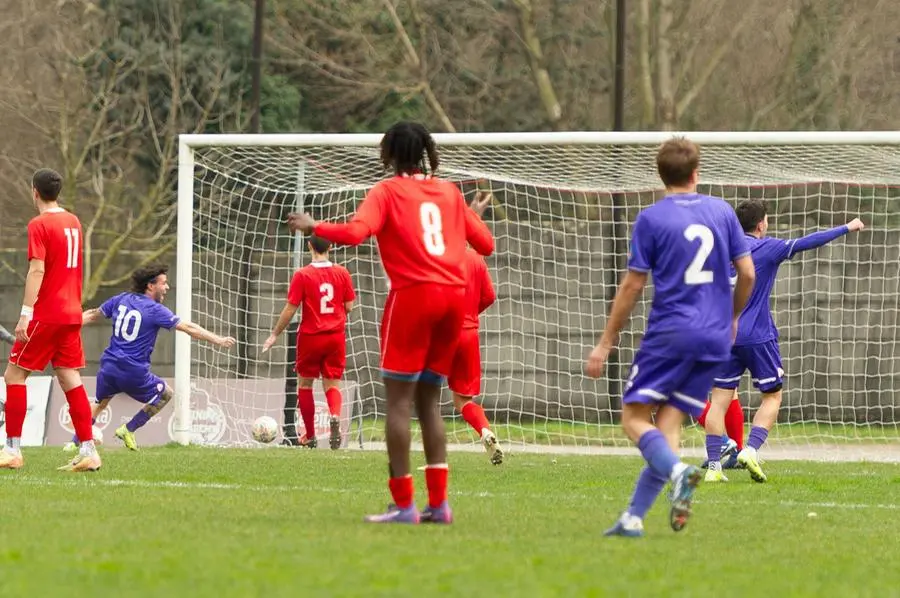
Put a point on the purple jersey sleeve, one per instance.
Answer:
(737, 240)
(164, 318)
(640, 258)
(108, 306)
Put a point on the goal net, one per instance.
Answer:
(564, 204)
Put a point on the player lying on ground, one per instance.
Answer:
(421, 224)
(465, 374)
(49, 329)
(325, 291)
(137, 316)
(756, 345)
(687, 241)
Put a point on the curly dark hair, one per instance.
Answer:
(144, 277)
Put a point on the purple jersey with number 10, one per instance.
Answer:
(687, 241)
(136, 322)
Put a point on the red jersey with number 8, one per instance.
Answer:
(421, 224)
(322, 289)
(55, 237)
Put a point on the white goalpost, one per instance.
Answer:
(564, 204)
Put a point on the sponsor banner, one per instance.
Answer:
(222, 412)
(36, 416)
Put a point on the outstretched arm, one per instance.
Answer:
(202, 334)
(367, 221)
(283, 320)
(822, 237)
(91, 315)
(626, 298)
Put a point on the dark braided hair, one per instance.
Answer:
(405, 146)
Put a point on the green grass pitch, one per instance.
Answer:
(209, 522)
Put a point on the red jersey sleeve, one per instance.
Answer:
(295, 291)
(37, 247)
(488, 294)
(478, 234)
(368, 221)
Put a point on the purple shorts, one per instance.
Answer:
(143, 386)
(764, 362)
(682, 383)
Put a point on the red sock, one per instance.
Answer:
(474, 416)
(734, 422)
(436, 480)
(702, 419)
(307, 410)
(80, 410)
(16, 407)
(402, 490)
(333, 396)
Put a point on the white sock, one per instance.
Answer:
(87, 448)
(715, 466)
(13, 445)
(677, 470)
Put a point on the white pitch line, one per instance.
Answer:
(176, 485)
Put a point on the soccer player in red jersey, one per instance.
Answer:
(465, 375)
(325, 291)
(421, 224)
(49, 329)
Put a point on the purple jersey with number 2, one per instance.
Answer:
(136, 321)
(687, 241)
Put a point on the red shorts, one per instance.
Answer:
(420, 330)
(56, 344)
(465, 377)
(322, 355)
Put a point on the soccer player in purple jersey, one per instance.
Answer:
(688, 242)
(756, 345)
(137, 317)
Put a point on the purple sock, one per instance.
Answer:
(757, 437)
(140, 418)
(713, 447)
(649, 485)
(656, 452)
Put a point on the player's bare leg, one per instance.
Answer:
(400, 395)
(762, 422)
(719, 400)
(15, 409)
(475, 417)
(96, 410)
(87, 458)
(434, 439)
(307, 407)
(335, 400)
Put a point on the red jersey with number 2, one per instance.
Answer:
(421, 224)
(55, 238)
(322, 289)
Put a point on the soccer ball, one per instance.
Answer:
(98, 436)
(265, 429)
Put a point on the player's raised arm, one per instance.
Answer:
(822, 237)
(477, 233)
(202, 334)
(368, 221)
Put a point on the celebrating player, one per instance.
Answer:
(137, 318)
(465, 374)
(686, 240)
(49, 329)
(325, 291)
(756, 345)
(422, 225)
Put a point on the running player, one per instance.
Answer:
(756, 345)
(49, 329)
(421, 224)
(325, 290)
(687, 241)
(137, 316)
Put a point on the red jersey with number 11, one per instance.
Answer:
(55, 238)
(322, 288)
(421, 224)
